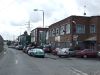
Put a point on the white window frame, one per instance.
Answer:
(68, 27)
(53, 32)
(62, 29)
(57, 31)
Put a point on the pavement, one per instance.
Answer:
(15, 62)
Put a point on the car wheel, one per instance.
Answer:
(42, 56)
(30, 54)
(85, 56)
(59, 55)
(33, 55)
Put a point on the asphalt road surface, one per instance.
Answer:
(15, 62)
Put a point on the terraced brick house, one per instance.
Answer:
(38, 36)
(76, 31)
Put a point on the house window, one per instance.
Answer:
(62, 30)
(80, 28)
(57, 31)
(34, 33)
(92, 28)
(53, 32)
(68, 29)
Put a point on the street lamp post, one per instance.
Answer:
(43, 15)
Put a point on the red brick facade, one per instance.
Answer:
(38, 35)
(75, 31)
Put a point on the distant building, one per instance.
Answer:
(24, 39)
(38, 36)
(76, 31)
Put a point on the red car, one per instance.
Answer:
(86, 53)
(47, 49)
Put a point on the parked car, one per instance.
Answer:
(27, 49)
(98, 54)
(72, 52)
(63, 52)
(16, 47)
(86, 53)
(24, 49)
(19, 47)
(11, 46)
(36, 52)
(47, 49)
(54, 51)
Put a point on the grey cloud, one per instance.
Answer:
(35, 17)
(21, 1)
(49, 8)
(14, 24)
(7, 35)
(18, 24)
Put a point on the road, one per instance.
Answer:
(14, 62)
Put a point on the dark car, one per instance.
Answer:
(20, 47)
(47, 49)
(24, 48)
(72, 52)
(27, 49)
(86, 53)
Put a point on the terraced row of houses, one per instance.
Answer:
(73, 31)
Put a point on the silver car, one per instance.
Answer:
(98, 54)
(36, 52)
(63, 52)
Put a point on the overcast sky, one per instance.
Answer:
(15, 14)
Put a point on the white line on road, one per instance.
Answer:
(78, 72)
(16, 62)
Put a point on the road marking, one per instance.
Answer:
(78, 72)
(16, 62)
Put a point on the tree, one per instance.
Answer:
(9, 43)
(25, 33)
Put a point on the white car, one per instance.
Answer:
(30, 51)
(63, 52)
(36, 52)
(98, 54)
